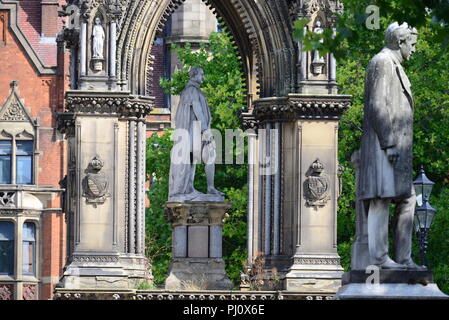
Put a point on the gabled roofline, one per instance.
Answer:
(12, 6)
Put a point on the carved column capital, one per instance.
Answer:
(196, 213)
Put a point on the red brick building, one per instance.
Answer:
(33, 75)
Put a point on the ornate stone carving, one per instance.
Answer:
(6, 292)
(302, 107)
(199, 213)
(13, 113)
(95, 184)
(116, 103)
(317, 261)
(330, 7)
(317, 186)
(14, 110)
(7, 199)
(29, 292)
(66, 124)
(248, 121)
(95, 258)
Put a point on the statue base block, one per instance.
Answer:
(105, 272)
(320, 274)
(391, 284)
(191, 274)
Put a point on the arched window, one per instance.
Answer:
(29, 249)
(6, 248)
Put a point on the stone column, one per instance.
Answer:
(197, 262)
(106, 145)
(302, 203)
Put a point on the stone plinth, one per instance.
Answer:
(389, 284)
(197, 246)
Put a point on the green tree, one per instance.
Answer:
(224, 87)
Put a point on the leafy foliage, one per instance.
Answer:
(351, 25)
(225, 91)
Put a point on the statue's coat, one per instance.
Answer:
(388, 122)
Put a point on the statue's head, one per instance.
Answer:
(403, 38)
(97, 20)
(197, 74)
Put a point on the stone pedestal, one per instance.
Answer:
(197, 262)
(105, 196)
(389, 284)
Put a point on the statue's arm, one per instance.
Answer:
(380, 104)
(197, 110)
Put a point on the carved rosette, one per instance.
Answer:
(299, 106)
(196, 213)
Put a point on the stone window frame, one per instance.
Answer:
(19, 126)
(18, 280)
(24, 136)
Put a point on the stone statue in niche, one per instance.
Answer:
(386, 150)
(193, 143)
(98, 38)
(318, 61)
(95, 184)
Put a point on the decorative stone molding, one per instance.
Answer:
(95, 258)
(117, 103)
(317, 185)
(297, 106)
(317, 261)
(205, 295)
(196, 213)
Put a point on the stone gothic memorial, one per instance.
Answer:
(292, 198)
(291, 212)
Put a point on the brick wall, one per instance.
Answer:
(42, 95)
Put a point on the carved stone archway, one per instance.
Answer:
(105, 119)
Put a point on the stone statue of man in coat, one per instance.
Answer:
(193, 143)
(386, 151)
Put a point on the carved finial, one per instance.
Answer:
(14, 84)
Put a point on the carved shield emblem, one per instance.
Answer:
(97, 184)
(317, 186)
